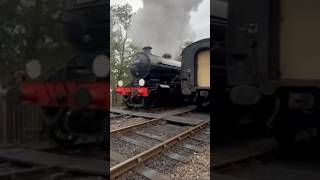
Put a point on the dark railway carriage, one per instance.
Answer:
(75, 99)
(272, 65)
(218, 19)
(155, 80)
(218, 25)
(195, 73)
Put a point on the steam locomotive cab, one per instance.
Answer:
(155, 80)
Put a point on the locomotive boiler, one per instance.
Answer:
(75, 99)
(155, 80)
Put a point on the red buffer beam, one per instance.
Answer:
(92, 95)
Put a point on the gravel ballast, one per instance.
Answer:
(197, 166)
(124, 148)
(119, 123)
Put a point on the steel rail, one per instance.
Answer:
(153, 121)
(248, 154)
(130, 163)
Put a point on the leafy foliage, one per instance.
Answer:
(121, 47)
(31, 29)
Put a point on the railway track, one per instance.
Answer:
(238, 156)
(238, 152)
(81, 162)
(152, 118)
(180, 132)
(261, 159)
(160, 135)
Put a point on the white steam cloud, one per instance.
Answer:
(163, 24)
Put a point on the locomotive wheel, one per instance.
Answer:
(54, 119)
(128, 103)
(133, 102)
(62, 138)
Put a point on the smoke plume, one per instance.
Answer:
(163, 24)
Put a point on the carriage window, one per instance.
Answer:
(203, 69)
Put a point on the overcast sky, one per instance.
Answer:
(200, 20)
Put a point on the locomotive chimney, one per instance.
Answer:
(147, 49)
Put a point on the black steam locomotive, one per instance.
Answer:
(155, 80)
(75, 99)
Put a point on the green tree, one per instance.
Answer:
(31, 29)
(121, 46)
